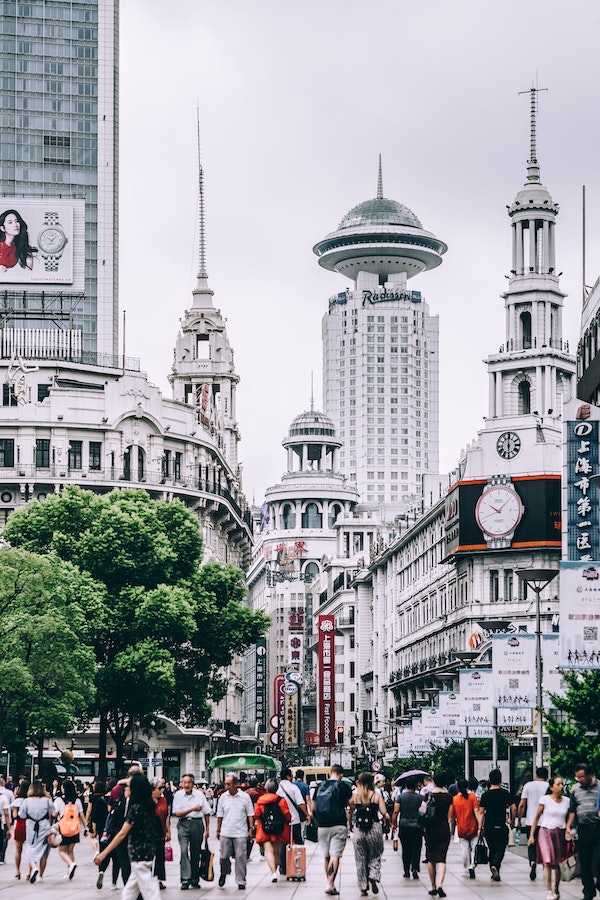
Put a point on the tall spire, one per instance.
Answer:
(533, 169)
(379, 181)
(201, 224)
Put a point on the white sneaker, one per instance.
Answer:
(114, 887)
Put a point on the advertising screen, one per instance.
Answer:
(42, 242)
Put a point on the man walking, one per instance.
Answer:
(235, 823)
(329, 809)
(495, 803)
(528, 804)
(192, 811)
(6, 799)
(297, 805)
(583, 809)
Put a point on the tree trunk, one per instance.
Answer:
(102, 762)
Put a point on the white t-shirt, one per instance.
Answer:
(555, 814)
(234, 810)
(59, 806)
(291, 792)
(4, 804)
(532, 792)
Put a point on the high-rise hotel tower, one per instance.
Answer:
(380, 351)
(58, 169)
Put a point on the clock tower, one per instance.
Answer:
(532, 372)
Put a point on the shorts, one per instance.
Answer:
(332, 839)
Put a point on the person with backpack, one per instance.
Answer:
(38, 811)
(70, 816)
(329, 809)
(235, 824)
(297, 806)
(272, 817)
(364, 811)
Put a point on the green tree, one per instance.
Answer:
(47, 665)
(168, 627)
(573, 728)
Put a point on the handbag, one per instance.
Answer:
(206, 863)
(570, 868)
(168, 852)
(54, 837)
(481, 855)
(312, 833)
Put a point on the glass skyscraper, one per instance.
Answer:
(59, 171)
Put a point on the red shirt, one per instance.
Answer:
(8, 255)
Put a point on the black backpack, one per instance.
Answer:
(327, 803)
(366, 816)
(273, 820)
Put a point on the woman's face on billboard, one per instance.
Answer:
(11, 226)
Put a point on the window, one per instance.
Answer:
(311, 517)
(7, 453)
(166, 464)
(8, 395)
(494, 586)
(75, 454)
(95, 455)
(43, 391)
(524, 398)
(508, 584)
(288, 516)
(177, 470)
(42, 453)
(334, 511)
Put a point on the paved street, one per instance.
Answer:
(515, 879)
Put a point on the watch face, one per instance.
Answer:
(499, 511)
(51, 240)
(508, 445)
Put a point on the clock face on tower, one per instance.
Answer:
(508, 445)
(499, 510)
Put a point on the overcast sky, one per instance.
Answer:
(296, 102)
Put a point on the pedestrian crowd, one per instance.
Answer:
(129, 824)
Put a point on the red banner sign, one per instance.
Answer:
(327, 680)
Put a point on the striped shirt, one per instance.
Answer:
(584, 802)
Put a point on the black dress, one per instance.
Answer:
(437, 830)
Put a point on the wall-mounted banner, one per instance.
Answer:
(291, 728)
(583, 534)
(260, 677)
(326, 631)
(279, 705)
(513, 666)
(451, 722)
(552, 681)
(579, 615)
(476, 691)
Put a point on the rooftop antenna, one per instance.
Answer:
(533, 169)
(312, 392)
(201, 225)
(379, 181)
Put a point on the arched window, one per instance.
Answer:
(524, 398)
(525, 319)
(334, 511)
(141, 464)
(288, 516)
(311, 570)
(311, 517)
(127, 464)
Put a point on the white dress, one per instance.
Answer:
(36, 811)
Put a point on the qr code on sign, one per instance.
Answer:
(513, 683)
(476, 707)
(590, 633)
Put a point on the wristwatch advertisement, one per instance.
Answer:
(51, 241)
(499, 511)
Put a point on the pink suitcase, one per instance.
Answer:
(295, 862)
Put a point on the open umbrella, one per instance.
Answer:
(411, 773)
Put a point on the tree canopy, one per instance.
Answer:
(163, 627)
(573, 728)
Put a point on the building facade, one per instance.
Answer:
(59, 171)
(380, 352)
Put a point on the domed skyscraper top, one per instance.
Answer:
(380, 236)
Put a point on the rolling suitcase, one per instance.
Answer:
(295, 862)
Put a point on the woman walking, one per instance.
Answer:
(70, 816)
(271, 842)
(551, 817)
(37, 810)
(162, 814)
(19, 833)
(406, 817)
(437, 835)
(141, 830)
(465, 809)
(364, 809)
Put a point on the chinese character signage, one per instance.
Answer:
(514, 718)
(583, 539)
(260, 674)
(279, 706)
(451, 722)
(513, 666)
(553, 681)
(295, 649)
(579, 644)
(430, 723)
(326, 629)
(476, 691)
(286, 561)
(291, 728)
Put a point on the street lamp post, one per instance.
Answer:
(537, 580)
